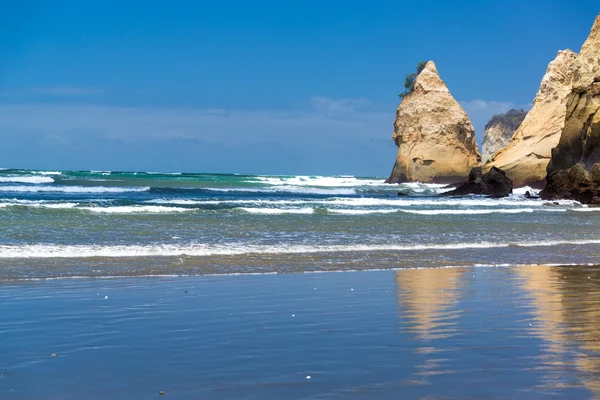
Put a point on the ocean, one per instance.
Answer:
(128, 284)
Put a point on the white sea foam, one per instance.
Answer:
(345, 211)
(288, 189)
(373, 201)
(323, 181)
(200, 250)
(443, 201)
(276, 211)
(480, 211)
(136, 209)
(26, 179)
(73, 189)
(47, 172)
(38, 205)
(268, 202)
(362, 212)
(522, 190)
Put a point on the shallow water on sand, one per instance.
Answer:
(526, 332)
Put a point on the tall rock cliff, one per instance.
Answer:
(435, 138)
(527, 155)
(574, 171)
(499, 130)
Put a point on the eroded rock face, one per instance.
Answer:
(499, 130)
(574, 171)
(435, 138)
(527, 155)
(494, 183)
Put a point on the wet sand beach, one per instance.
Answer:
(476, 332)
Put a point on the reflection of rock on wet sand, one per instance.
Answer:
(427, 296)
(567, 310)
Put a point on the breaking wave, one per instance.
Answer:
(199, 250)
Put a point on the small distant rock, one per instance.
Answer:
(499, 130)
(492, 184)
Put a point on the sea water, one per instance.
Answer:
(207, 286)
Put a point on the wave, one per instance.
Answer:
(72, 189)
(47, 172)
(202, 250)
(319, 210)
(481, 212)
(288, 189)
(323, 181)
(39, 205)
(265, 207)
(442, 201)
(522, 190)
(26, 179)
(136, 209)
(374, 201)
(277, 211)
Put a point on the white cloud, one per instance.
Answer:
(341, 106)
(479, 105)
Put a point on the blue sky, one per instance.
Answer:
(307, 87)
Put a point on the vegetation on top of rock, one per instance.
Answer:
(511, 119)
(409, 81)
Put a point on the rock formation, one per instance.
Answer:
(494, 183)
(499, 130)
(435, 138)
(525, 158)
(574, 171)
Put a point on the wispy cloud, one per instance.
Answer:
(307, 139)
(346, 133)
(478, 105)
(341, 106)
(55, 91)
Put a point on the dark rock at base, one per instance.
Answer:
(493, 184)
(575, 183)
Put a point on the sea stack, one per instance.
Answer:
(527, 155)
(435, 138)
(574, 171)
(499, 130)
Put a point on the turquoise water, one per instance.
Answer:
(82, 223)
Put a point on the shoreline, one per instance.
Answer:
(8, 281)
